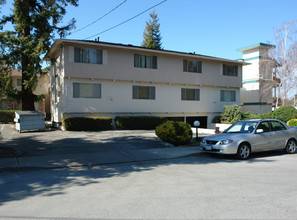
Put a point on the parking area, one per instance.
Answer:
(52, 141)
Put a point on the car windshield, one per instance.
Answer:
(242, 127)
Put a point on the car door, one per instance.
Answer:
(262, 140)
(279, 135)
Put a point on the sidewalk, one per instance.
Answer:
(61, 149)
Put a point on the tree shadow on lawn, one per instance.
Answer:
(22, 184)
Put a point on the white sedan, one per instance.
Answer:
(245, 137)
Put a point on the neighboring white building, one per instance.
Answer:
(256, 92)
(92, 78)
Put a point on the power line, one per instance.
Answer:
(126, 20)
(99, 18)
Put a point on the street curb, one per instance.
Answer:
(28, 168)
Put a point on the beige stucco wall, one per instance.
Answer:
(119, 65)
(117, 97)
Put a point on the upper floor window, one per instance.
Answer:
(190, 94)
(144, 61)
(194, 66)
(86, 90)
(144, 92)
(228, 96)
(84, 55)
(230, 70)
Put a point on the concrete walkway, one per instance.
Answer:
(58, 149)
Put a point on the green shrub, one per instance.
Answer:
(285, 113)
(138, 122)
(292, 122)
(87, 123)
(7, 116)
(231, 114)
(175, 132)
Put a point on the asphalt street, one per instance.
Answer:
(195, 187)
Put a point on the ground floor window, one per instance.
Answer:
(86, 90)
(144, 92)
(228, 96)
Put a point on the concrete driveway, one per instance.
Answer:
(52, 141)
(58, 149)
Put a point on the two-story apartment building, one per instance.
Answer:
(92, 78)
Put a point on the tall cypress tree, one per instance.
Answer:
(151, 35)
(35, 23)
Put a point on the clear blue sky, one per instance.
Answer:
(209, 27)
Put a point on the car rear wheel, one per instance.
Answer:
(243, 151)
(291, 147)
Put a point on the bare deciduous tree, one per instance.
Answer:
(285, 57)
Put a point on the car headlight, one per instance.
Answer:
(203, 140)
(226, 142)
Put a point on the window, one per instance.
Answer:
(144, 61)
(265, 126)
(228, 96)
(86, 90)
(190, 94)
(84, 55)
(144, 92)
(229, 70)
(277, 126)
(19, 82)
(192, 66)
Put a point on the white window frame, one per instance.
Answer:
(86, 55)
(184, 94)
(96, 90)
(151, 92)
(145, 61)
(231, 97)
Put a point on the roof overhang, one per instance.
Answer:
(58, 44)
(256, 46)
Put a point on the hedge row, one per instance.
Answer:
(7, 116)
(105, 123)
(233, 113)
(87, 123)
(138, 122)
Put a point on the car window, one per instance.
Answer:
(265, 126)
(277, 126)
(242, 127)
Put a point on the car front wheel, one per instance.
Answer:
(243, 151)
(291, 147)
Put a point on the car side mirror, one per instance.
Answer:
(259, 130)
